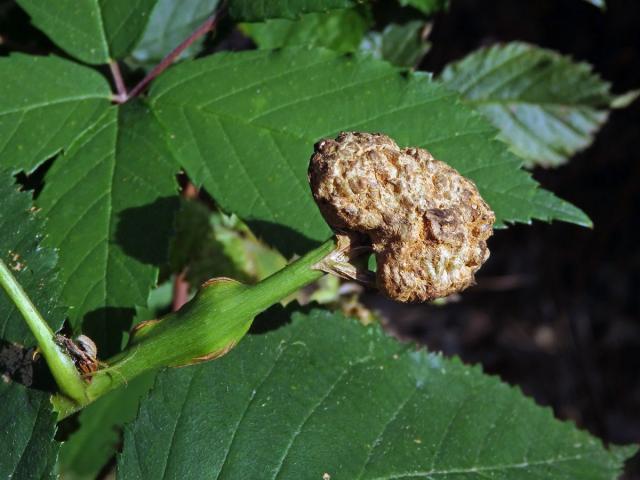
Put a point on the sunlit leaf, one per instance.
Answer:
(546, 106)
(325, 396)
(247, 134)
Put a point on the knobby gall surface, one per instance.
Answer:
(427, 224)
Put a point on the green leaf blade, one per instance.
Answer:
(169, 24)
(208, 245)
(76, 27)
(247, 136)
(110, 202)
(33, 265)
(279, 406)
(257, 10)
(546, 106)
(124, 23)
(45, 103)
(339, 30)
(94, 31)
(428, 7)
(401, 45)
(89, 448)
(27, 428)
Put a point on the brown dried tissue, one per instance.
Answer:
(427, 224)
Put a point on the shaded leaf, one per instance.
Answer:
(169, 24)
(426, 6)
(401, 45)
(249, 254)
(257, 10)
(95, 442)
(325, 395)
(33, 265)
(27, 427)
(110, 200)
(93, 31)
(45, 103)
(244, 125)
(339, 30)
(210, 244)
(192, 233)
(546, 106)
(158, 304)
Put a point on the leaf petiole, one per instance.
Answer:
(62, 367)
(208, 25)
(122, 95)
(207, 327)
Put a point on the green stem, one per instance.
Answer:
(291, 278)
(62, 367)
(208, 326)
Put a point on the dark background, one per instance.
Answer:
(557, 307)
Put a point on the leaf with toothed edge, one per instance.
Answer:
(257, 10)
(547, 106)
(45, 103)
(339, 30)
(247, 134)
(325, 395)
(169, 24)
(401, 45)
(94, 31)
(34, 266)
(86, 452)
(27, 428)
(428, 7)
(110, 200)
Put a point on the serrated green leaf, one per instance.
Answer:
(339, 30)
(401, 45)
(169, 24)
(33, 265)
(45, 103)
(95, 442)
(110, 200)
(244, 126)
(325, 395)
(546, 106)
(426, 6)
(257, 10)
(27, 427)
(93, 31)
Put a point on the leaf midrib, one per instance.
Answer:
(491, 468)
(529, 103)
(53, 103)
(103, 37)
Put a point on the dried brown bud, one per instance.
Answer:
(427, 224)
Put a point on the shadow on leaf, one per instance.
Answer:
(106, 327)
(288, 241)
(277, 316)
(144, 232)
(17, 364)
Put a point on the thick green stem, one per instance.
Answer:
(208, 326)
(62, 367)
(291, 278)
